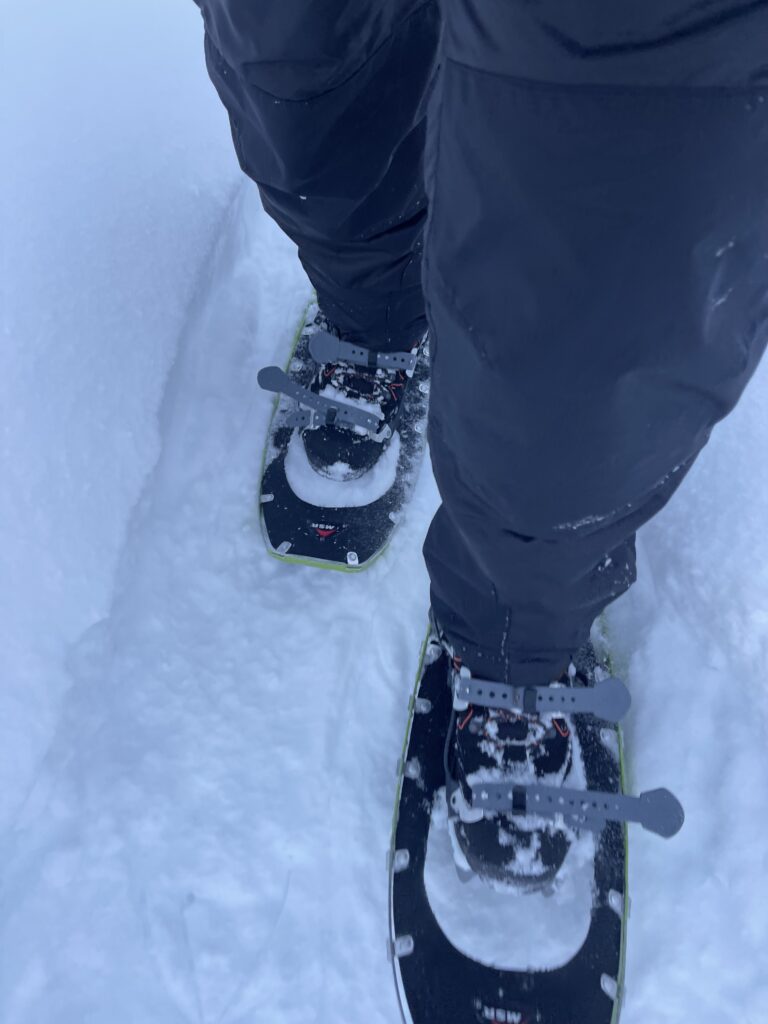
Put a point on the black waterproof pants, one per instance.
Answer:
(593, 216)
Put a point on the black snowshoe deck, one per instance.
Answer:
(346, 537)
(436, 982)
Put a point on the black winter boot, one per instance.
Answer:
(496, 745)
(346, 452)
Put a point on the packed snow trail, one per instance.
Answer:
(204, 840)
(209, 828)
(117, 167)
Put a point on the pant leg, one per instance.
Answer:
(596, 272)
(326, 104)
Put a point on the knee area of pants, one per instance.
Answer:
(536, 516)
(299, 51)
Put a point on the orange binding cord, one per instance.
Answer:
(466, 718)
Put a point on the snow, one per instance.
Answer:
(333, 490)
(197, 742)
(501, 928)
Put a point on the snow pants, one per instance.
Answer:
(574, 196)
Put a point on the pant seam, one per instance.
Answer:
(245, 68)
(693, 92)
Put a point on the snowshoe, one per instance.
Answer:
(543, 761)
(344, 447)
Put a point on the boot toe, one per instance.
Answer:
(340, 454)
(497, 850)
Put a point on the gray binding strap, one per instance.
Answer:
(657, 810)
(316, 411)
(327, 348)
(608, 698)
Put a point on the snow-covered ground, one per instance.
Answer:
(197, 743)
